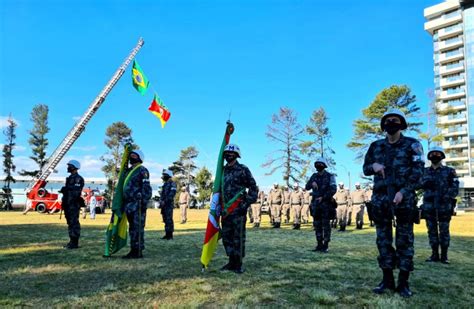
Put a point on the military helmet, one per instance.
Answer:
(357, 184)
(139, 153)
(74, 163)
(232, 148)
(436, 149)
(394, 112)
(167, 172)
(341, 183)
(321, 160)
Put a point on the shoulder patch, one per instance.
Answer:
(418, 152)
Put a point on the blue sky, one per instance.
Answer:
(205, 59)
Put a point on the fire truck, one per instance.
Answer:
(37, 197)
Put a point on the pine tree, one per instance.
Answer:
(8, 165)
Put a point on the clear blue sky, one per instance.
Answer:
(206, 58)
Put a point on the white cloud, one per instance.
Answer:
(76, 118)
(4, 121)
(15, 148)
(84, 148)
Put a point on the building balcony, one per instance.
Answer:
(457, 106)
(451, 56)
(445, 95)
(451, 69)
(447, 133)
(442, 22)
(450, 82)
(456, 159)
(462, 144)
(451, 31)
(438, 9)
(450, 44)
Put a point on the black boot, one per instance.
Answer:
(131, 254)
(434, 255)
(297, 226)
(325, 248)
(359, 226)
(276, 225)
(388, 282)
(319, 246)
(238, 269)
(230, 265)
(444, 255)
(342, 228)
(73, 243)
(403, 289)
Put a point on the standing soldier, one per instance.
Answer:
(323, 186)
(342, 198)
(276, 200)
(256, 209)
(286, 207)
(396, 162)
(71, 203)
(368, 203)
(184, 200)
(136, 193)
(168, 191)
(358, 200)
(441, 187)
(297, 202)
(305, 209)
(237, 179)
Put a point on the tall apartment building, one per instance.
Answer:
(451, 24)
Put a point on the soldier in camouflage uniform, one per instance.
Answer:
(323, 186)
(358, 200)
(305, 209)
(343, 199)
(168, 191)
(237, 177)
(441, 186)
(297, 202)
(286, 207)
(71, 203)
(275, 198)
(256, 209)
(396, 162)
(136, 194)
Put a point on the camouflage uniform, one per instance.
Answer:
(305, 209)
(286, 207)
(183, 201)
(256, 208)
(275, 198)
(296, 201)
(358, 200)
(343, 199)
(441, 187)
(403, 163)
(236, 178)
(168, 191)
(322, 212)
(136, 193)
(72, 205)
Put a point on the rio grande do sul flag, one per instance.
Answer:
(159, 109)
(140, 82)
(211, 237)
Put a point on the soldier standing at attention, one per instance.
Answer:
(441, 186)
(323, 186)
(297, 202)
(237, 178)
(276, 200)
(358, 200)
(256, 209)
(397, 164)
(286, 208)
(305, 209)
(136, 193)
(71, 203)
(168, 191)
(184, 200)
(342, 198)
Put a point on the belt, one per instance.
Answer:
(296, 204)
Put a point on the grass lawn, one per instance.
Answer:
(280, 269)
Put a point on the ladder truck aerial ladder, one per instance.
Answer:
(37, 197)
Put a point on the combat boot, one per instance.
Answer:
(325, 248)
(444, 255)
(403, 288)
(73, 244)
(297, 226)
(276, 225)
(238, 269)
(388, 282)
(359, 226)
(342, 228)
(131, 254)
(434, 255)
(230, 265)
(319, 246)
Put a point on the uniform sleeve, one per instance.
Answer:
(369, 161)
(75, 188)
(169, 198)
(146, 187)
(251, 185)
(332, 189)
(453, 182)
(417, 167)
(308, 184)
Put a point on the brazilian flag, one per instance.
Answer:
(140, 82)
(116, 233)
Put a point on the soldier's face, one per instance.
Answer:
(230, 157)
(70, 168)
(392, 124)
(357, 187)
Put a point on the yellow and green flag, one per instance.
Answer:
(140, 81)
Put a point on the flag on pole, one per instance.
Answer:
(159, 109)
(140, 82)
(218, 208)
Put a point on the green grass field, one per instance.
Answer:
(280, 269)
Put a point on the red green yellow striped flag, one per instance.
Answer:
(159, 109)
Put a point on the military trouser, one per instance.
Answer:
(256, 212)
(438, 238)
(184, 212)
(359, 214)
(72, 219)
(305, 213)
(341, 214)
(322, 225)
(296, 209)
(349, 214)
(167, 214)
(285, 212)
(276, 213)
(402, 256)
(233, 235)
(136, 221)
